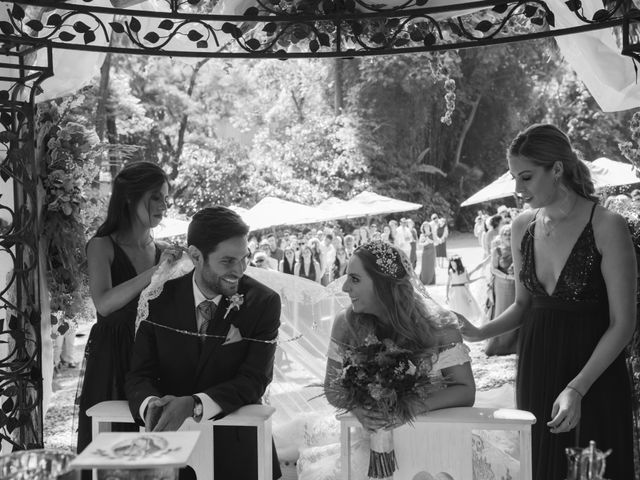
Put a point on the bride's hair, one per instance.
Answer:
(414, 323)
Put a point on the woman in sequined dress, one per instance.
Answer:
(575, 306)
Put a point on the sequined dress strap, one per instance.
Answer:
(580, 281)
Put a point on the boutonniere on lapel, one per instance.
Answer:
(235, 302)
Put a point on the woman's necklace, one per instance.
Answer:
(549, 226)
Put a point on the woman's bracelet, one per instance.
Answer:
(575, 390)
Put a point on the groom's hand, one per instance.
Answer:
(175, 411)
(152, 414)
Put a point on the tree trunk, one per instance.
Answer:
(465, 129)
(103, 97)
(182, 129)
(338, 101)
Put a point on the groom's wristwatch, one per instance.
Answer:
(197, 408)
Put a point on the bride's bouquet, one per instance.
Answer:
(381, 377)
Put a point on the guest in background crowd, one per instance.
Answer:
(494, 230)
(349, 245)
(441, 234)
(426, 243)
(459, 295)
(413, 251)
(275, 252)
(635, 195)
(340, 264)
(261, 260)
(385, 236)
(327, 257)
(288, 263)
(265, 247)
(575, 307)
(307, 266)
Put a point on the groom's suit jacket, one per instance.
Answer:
(166, 362)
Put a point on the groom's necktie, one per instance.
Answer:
(206, 310)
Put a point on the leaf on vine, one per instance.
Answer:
(324, 39)
(7, 405)
(35, 25)
(63, 328)
(300, 33)
(251, 12)
(350, 5)
(6, 244)
(166, 25)
(5, 118)
(429, 40)
(194, 35)
(54, 20)
(270, 28)
(530, 11)
(193, 2)
(416, 35)
(89, 37)
(81, 27)
(253, 44)
(400, 42)
(537, 21)
(202, 44)
(455, 28)
(135, 25)
(17, 12)
(66, 36)
(484, 26)
(314, 46)
(420, 3)
(573, 5)
(6, 136)
(10, 391)
(393, 22)
(357, 28)
(152, 37)
(116, 27)
(600, 15)
(551, 19)
(53, 319)
(6, 28)
(500, 8)
(379, 38)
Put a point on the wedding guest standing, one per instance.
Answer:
(575, 307)
(288, 262)
(413, 253)
(307, 266)
(121, 259)
(442, 233)
(426, 241)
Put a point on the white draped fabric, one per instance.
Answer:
(595, 56)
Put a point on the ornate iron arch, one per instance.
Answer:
(194, 28)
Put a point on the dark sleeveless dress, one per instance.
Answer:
(107, 355)
(557, 337)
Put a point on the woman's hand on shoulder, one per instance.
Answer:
(170, 253)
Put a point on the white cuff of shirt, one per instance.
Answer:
(143, 406)
(209, 407)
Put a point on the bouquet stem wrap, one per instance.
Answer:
(382, 458)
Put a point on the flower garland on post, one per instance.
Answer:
(69, 152)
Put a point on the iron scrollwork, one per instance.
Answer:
(288, 28)
(20, 312)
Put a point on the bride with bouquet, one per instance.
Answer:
(394, 353)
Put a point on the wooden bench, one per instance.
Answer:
(441, 441)
(258, 416)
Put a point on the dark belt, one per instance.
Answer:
(566, 305)
(458, 284)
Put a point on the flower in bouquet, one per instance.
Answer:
(382, 377)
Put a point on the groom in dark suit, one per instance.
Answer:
(175, 375)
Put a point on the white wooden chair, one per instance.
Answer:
(201, 460)
(441, 441)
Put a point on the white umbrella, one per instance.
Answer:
(170, 227)
(271, 212)
(369, 203)
(604, 173)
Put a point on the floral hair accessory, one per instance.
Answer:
(387, 258)
(235, 302)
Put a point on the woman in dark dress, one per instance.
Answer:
(575, 306)
(428, 269)
(122, 258)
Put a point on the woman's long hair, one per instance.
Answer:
(455, 265)
(405, 312)
(129, 186)
(286, 266)
(545, 144)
